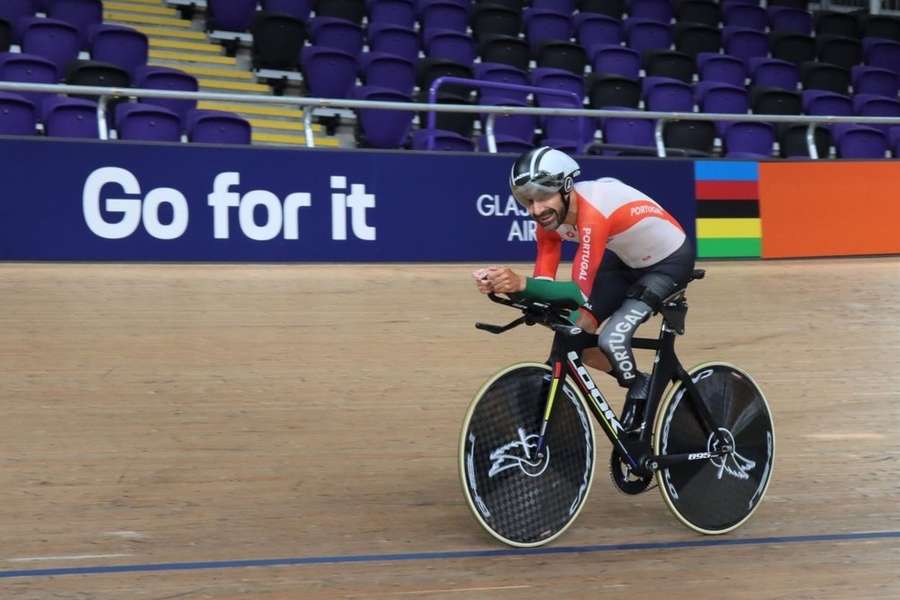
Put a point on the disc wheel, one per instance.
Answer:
(520, 497)
(718, 494)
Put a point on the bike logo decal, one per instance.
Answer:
(473, 481)
(588, 384)
(732, 463)
(520, 453)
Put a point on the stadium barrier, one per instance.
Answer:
(94, 200)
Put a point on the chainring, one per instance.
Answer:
(625, 480)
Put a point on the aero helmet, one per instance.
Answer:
(542, 172)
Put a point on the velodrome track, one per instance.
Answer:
(268, 432)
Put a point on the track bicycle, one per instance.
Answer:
(527, 452)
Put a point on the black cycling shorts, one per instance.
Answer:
(616, 281)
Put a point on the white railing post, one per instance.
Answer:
(307, 126)
(489, 132)
(658, 136)
(102, 129)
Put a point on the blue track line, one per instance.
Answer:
(366, 558)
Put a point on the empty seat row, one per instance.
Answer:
(77, 118)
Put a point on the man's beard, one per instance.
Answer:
(550, 224)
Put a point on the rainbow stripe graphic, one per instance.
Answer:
(727, 209)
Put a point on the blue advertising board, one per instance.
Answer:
(91, 200)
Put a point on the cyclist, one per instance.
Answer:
(631, 255)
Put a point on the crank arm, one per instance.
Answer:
(661, 462)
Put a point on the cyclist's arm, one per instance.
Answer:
(542, 286)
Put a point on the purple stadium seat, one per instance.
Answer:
(350, 10)
(121, 46)
(299, 9)
(501, 73)
(715, 97)
(749, 140)
(745, 43)
(859, 141)
(17, 115)
(818, 102)
(71, 118)
(882, 53)
(393, 39)
(328, 73)
(442, 140)
(148, 122)
(83, 14)
(167, 78)
(793, 20)
(747, 16)
(217, 127)
(721, 67)
(644, 34)
(520, 127)
(655, 10)
(394, 12)
(727, 3)
(340, 34)
(230, 15)
(28, 68)
(627, 131)
(874, 80)
(557, 79)
(592, 29)
(616, 60)
(505, 143)
(894, 140)
(450, 45)
(57, 41)
(665, 94)
(773, 72)
(383, 128)
(868, 105)
(389, 71)
(563, 6)
(439, 14)
(546, 25)
(12, 11)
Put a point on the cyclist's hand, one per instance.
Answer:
(504, 280)
(482, 282)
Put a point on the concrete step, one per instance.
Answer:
(210, 72)
(259, 110)
(216, 85)
(183, 57)
(282, 126)
(161, 44)
(294, 140)
(128, 17)
(141, 7)
(170, 32)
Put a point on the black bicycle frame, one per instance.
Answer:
(565, 358)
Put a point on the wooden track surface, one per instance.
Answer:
(199, 413)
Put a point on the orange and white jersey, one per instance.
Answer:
(611, 215)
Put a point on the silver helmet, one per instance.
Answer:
(540, 173)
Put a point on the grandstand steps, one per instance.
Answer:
(161, 55)
(281, 139)
(139, 7)
(175, 43)
(157, 32)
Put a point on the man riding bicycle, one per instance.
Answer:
(631, 255)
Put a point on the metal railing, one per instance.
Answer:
(491, 117)
(308, 105)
